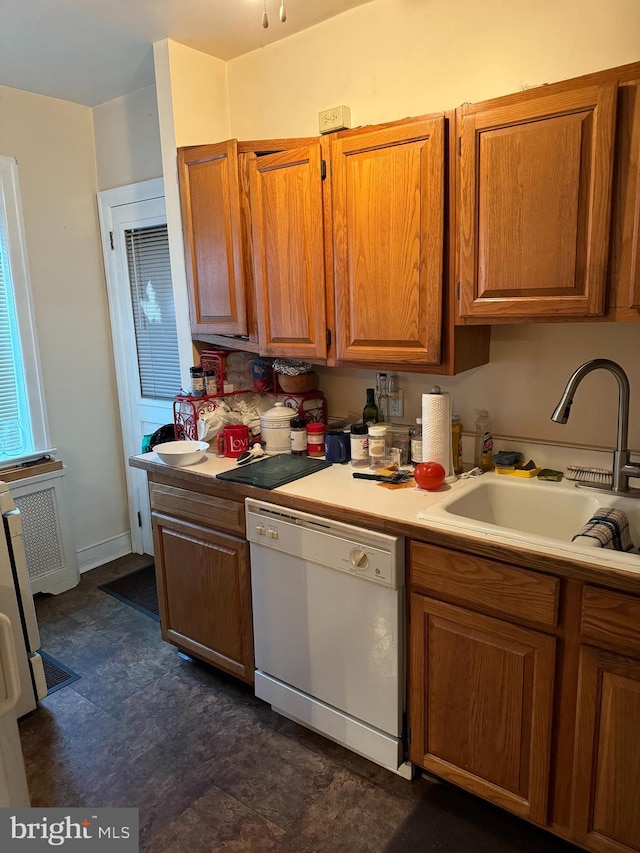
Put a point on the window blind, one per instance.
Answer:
(15, 423)
(153, 311)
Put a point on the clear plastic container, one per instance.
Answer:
(377, 446)
(484, 442)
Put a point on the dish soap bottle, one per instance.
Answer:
(484, 442)
(370, 411)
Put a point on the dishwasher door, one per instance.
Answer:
(328, 612)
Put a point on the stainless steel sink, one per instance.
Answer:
(532, 512)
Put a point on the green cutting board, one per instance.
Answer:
(274, 471)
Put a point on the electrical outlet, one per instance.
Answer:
(396, 404)
(337, 118)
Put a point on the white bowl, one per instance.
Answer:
(179, 453)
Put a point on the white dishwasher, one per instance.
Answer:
(328, 605)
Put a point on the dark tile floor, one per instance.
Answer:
(211, 767)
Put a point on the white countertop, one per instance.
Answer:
(335, 488)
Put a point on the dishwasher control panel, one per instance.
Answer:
(364, 553)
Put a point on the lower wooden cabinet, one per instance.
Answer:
(524, 688)
(204, 593)
(607, 772)
(481, 703)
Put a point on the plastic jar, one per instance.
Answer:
(359, 445)
(298, 437)
(377, 445)
(315, 439)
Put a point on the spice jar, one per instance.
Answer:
(377, 445)
(315, 439)
(197, 381)
(359, 445)
(298, 437)
(210, 382)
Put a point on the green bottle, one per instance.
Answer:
(370, 411)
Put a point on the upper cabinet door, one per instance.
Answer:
(388, 219)
(535, 196)
(288, 252)
(211, 224)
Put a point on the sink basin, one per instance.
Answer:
(533, 512)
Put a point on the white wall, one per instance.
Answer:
(193, 110)
(127, 138)
(395, 58)
(53, 141)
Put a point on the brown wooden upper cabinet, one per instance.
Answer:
(535, 203)
(387, 200)
(212, 233)
(288, 252)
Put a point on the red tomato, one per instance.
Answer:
(429, 475)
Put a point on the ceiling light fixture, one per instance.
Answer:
(282, 13)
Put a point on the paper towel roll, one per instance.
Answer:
(436, 430)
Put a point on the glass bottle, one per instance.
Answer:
(298, 427)
(382, 397)
(370, 411)
(416, 443)
(210, 382)
(197, 381)
(456, 442)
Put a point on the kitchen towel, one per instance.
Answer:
(608, 528)
(436, 430)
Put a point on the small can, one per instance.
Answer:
(197, 381)
(359, 445)
(315, 439)
(298, 437)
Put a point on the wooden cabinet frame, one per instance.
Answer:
(510, 768)
(502, 193)
(212, 232)
(204, 596)
(388, 247)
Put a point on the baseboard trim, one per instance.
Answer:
(103, 552)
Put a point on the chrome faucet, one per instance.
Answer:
(623, 468)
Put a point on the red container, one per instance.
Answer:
(315, 439)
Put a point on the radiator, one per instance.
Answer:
(50, 553)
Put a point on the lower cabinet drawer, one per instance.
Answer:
(220, 513)
(611, 620)
(493, 586)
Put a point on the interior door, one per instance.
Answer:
(145, 337)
